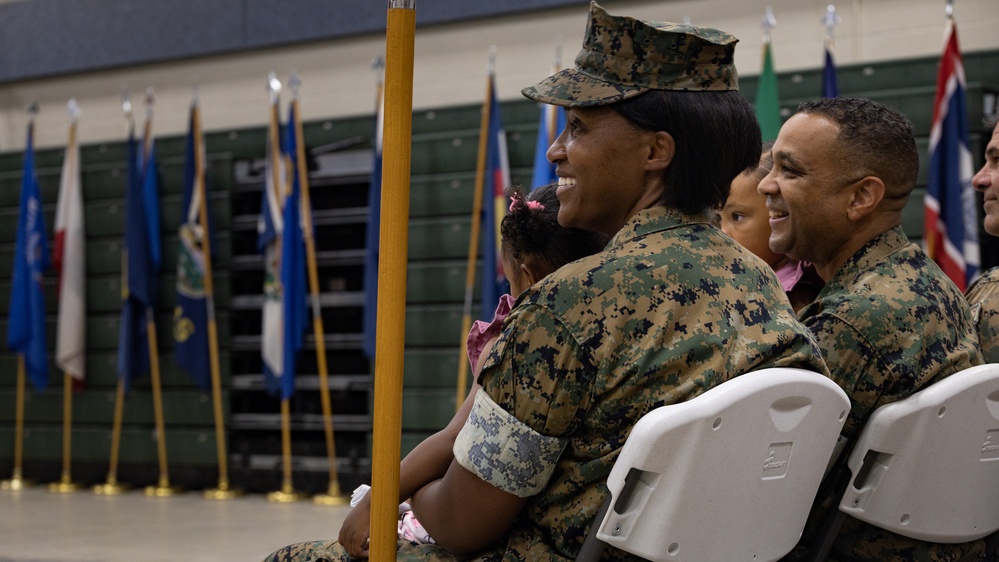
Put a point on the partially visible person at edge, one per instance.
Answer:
(983, 294)
(889, 321)
(656, 131)
(533, 245)
(745, 218)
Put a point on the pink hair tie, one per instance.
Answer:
(534, 205)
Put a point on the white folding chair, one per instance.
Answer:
(927, 466)
(729, 475)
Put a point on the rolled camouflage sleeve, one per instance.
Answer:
(501, 450)
(536, 390)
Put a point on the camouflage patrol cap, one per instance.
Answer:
(623, 57)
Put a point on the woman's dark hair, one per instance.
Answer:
(531, 229)
(717, 138)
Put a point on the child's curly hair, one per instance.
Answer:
(531, 229)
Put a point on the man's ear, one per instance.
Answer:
(662, 150)
(865, 197)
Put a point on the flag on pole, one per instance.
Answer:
(768, 98)
(137, 274)
(951, 220)
(830, 87)
(26, 320)
(190, 316)
(151, 205)
(69, 259)
(292, 265)
(497, 179)
(371, 232)
(280, 240)
(552, 123)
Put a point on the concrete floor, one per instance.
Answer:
(40, 526)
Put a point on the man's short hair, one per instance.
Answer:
(875, 138)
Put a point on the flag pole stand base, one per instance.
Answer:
(15, 484)
(65, 486)
(223, 492)
(110, 488)
(286, 494)
(332, 497)
(161, 491)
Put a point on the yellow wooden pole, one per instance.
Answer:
(394, 242)
(16, 481)
(473, 244)
(162, 487)
(223, 491)
(65, 483)
(111, 487)
(333, 495)
(287, 492)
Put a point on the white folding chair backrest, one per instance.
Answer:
(729, 475)
(927, 467)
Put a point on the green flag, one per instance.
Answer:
(767, 98)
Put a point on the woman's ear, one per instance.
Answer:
(662, 150)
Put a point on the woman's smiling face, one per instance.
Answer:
(602, 167)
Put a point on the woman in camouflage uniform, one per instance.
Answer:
(656, 131)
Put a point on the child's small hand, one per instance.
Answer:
(357, 528)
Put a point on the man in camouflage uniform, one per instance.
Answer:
(889, 321)
(671, 308)
(983, 295)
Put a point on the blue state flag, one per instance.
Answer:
(138, 273)
(552, 123)
(292, 266)
(497, 178)
(190, 317)
(830, 85)
(26, 320)
(269, 227)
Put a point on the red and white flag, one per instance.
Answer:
(70, 262)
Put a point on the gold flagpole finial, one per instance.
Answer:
(830, 20)
(195, 100)
(491, 65)
(294, 83)
(769, 23)
(273, 87)
(126, 108)
(72, 110)
(32, 110)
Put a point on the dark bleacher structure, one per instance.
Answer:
(443, 173)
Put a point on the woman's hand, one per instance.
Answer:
(356, 528)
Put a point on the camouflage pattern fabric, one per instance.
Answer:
(889, 323)
(983, 296)
(670, 309)
(623, 57)
(501, 450)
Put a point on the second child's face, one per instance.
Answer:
(745, 218)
